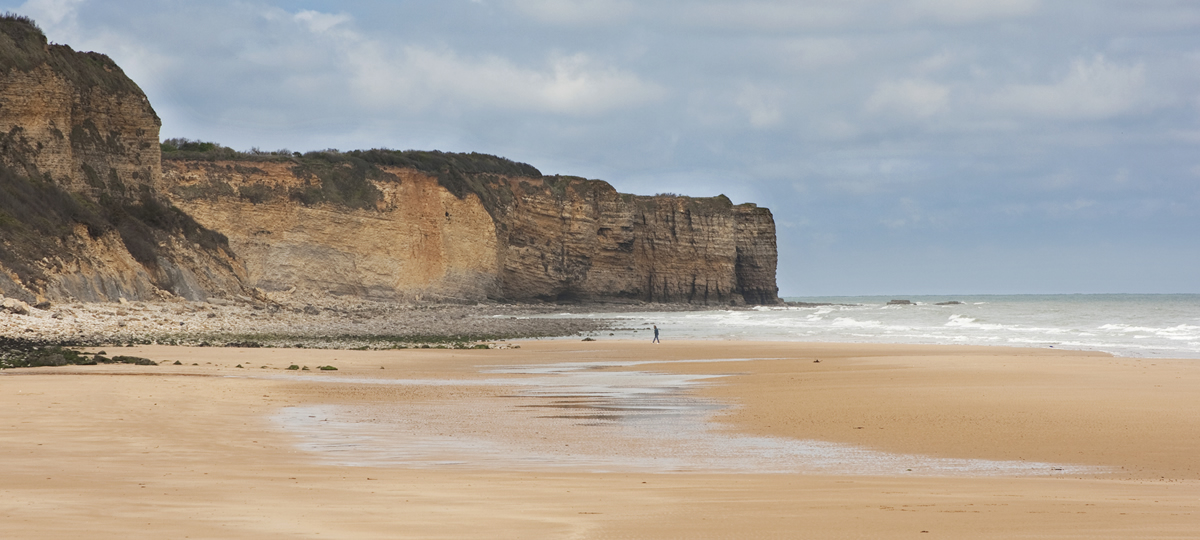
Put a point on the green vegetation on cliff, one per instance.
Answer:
(39, 214)
(23, 46)
(345, 178)
(38, 218)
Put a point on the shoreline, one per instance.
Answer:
(332, 322)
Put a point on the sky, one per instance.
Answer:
(904, 146)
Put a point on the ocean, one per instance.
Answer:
(1131, 325)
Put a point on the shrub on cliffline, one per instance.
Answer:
(23, 46)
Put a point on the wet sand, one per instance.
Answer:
(204, 451)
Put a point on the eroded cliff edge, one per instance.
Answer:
(81, 214)
(90, 210)
(430, 226)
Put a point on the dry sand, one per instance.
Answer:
(189, 452)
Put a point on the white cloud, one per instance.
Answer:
(377, 74)
(575, 12)
(819, 52)
(60, 21)
(909, 98)
(418, 77)
(50, 12)
(321, 22)
(910, 213)
(761, 105)
(971, 11)
(1095, 89)
(936, 62)
(773, 14)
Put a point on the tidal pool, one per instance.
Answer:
(590, 417)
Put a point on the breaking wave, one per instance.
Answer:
(1125, 325)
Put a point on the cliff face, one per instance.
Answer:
(502, 236)
(415, 242)
(569, 238)
(754, 235)
(80, 213)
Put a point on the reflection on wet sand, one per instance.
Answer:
(591, 417)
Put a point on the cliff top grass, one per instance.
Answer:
(428, 161)
(24, 47)
(344, 178)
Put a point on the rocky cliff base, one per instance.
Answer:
(304, 321)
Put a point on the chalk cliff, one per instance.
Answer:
(92, 209)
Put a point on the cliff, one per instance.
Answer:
(94, 208)
(452, 227)
(80, 212)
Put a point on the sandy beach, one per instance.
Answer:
(917, 442)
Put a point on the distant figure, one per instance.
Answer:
(656, 335)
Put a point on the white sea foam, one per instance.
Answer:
(1125, 325)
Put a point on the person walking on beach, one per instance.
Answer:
(656, 335)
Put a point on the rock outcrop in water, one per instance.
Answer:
(90, 210)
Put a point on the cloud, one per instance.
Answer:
(819, 52)
(1091, 90)
(908, 213)
(913, 98)
(50, 12)
(761, 105)
(971, 11)
(381, 74)
(576, 12)
(772, 15)
(321, 22)
(60, 21)
(421, 77)
(768, 15)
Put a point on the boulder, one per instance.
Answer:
(14, 306)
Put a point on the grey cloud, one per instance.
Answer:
(1091, 89)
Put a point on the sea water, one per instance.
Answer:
(1134, 325)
